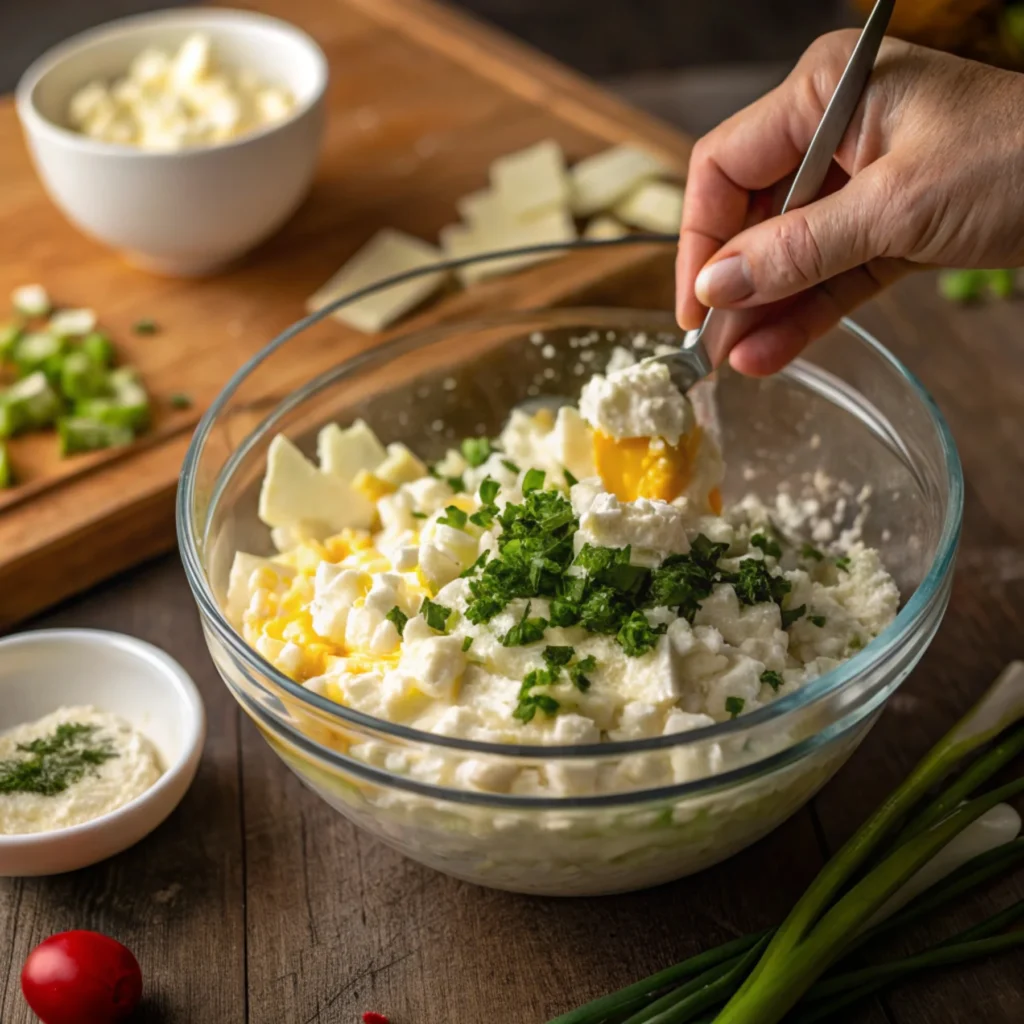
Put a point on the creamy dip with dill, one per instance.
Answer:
(69, 767)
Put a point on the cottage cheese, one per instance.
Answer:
(388, 616)
(130, 766)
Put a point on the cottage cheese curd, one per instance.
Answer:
(575, 582)
(69, 767)
(171, 101)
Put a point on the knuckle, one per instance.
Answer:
(798, 253)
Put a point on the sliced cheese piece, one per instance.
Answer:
(346, 453)
(654, 206)
(460, 240)
(605, 227)
(598, 182)
(484, 208)
(400, 467)
(532, 181)
(389, 252)
(296, 494)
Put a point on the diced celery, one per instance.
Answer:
(37, 350)
(80, 377)
(6, 477)
(8, 419)
(1001, 283)
(30, 403)
(961, 285)
(9, 335)
(127, 405)
(80, 434)
(99, 348)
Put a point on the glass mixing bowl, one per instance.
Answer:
(847, 427)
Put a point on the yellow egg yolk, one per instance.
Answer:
(644, 467)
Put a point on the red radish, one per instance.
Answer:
(374, 1018)
(81, 978)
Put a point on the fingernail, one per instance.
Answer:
(725, 281)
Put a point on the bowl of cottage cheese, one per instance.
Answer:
(506, 598)
(181, 138)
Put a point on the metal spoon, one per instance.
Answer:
(692, 362)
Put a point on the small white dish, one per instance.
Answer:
(190, 211)
(43, 670)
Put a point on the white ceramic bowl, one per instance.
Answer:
(191, 211)
(46, 669)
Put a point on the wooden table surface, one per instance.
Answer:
(257, 904)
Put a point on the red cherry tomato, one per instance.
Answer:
(81, 978)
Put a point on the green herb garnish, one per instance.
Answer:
(556, 657)
(533, 481)
(454, 517)
(525, 631)
(768, 546)
(817, 620)
(510, 466)
(773, 679)
(55, 762)
(636, 636)
(478, 564)
(398, 618)
(577, 672)
(530, 702)
(790, 615)
(734, 705)
(436, 615)
(569, 478)
(489, 489)
(179, 400)
(418, 515)
(809, 551)
(754, 584)
(476, 450)
(456, 483)
(843, 564)
(467, 642)
(145, 326)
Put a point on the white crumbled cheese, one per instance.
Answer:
(639, 400)
(176, 101)
(67, 323)
(345, 613)
(31, 300)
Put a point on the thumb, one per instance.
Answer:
(790, 253)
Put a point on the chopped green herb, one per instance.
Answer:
(773, 679)
(817, 620)
(569, 478)
(809, 551)
(476, 450)
(398, 618)
(636, 636)
(790, 615)
(467, 642)
(488, 490)
(754, 584)
(456, 483)
(529, 702)
(510, 465)
(179, 400)
(533, 481)
(734, 705)
(436, 615)
(843, 564)
(556, 657)
(525, 631)
(453, 516)
(145, 326)
(478, 564)
(768, 546)
(55, 762)
(856, 643)
(578, 672)
(418, 515)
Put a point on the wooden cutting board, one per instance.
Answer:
(421, 101)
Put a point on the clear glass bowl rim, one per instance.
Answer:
(890, 640)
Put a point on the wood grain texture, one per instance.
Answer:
(421, 101)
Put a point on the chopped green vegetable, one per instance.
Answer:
(6, 476)
(1001, 283)
(398, 619)
(768, 546)
(179, 400)
(145, 326)
(454, 517)
(9, 336)
(773, 679)
(961, 285)
(55, 762)
(467, 642)
(99, 348)
(525, 631)
(636, 636)
(418, 515)
(80, 377)
(734, 705)
(489, 489)
(578, 672)
(816, 620)
(510, 465)
(478, 564)
(79, 434)
(436, 615)
(569, 478)
(755, 584)
(28, 404)
(127, 407)
(556, 657)
(38, 351)
(530, 702)
(843, 564)
(533, 481)
(456, 483)
(476, 450)
(790, 615)
(810, 551)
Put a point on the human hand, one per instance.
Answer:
(930, 172)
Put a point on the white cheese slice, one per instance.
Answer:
(605, 227)
(295, 493)
(461, 240)
(532, 180)
(654, 206)
(598, 182)
(389, 252)
(483, 208)
(345, 453)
